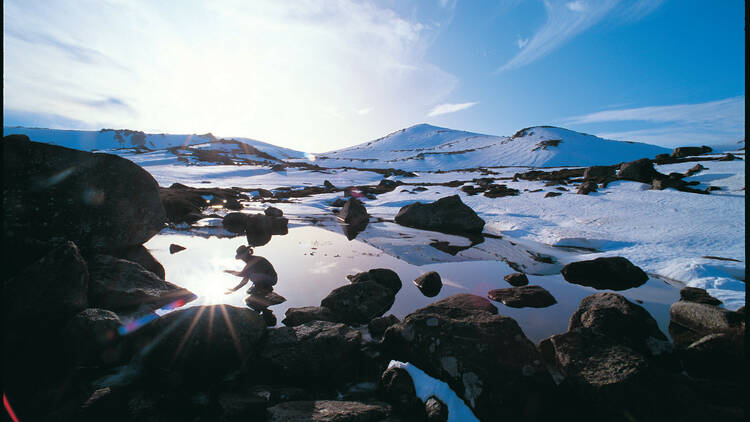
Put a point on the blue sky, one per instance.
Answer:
(320, 75)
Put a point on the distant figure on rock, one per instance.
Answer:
(257, 269)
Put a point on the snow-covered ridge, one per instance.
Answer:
(111, 139)
(418, 148)
(424, 147)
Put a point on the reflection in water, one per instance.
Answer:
(322, 258)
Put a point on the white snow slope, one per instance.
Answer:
(424, 147)
(109, 139)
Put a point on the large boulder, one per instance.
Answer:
(690, 321)
(200, 341)
(354, 212)
(485, 358)
(599, 172)
(383, 276)
(523, 296)
(258, 230)
(360, 302)
(640, 171)
(318, 351)
(92, 338)
(516, 279)
(611, 360)
(235, 222)
(101, 202)
(611, 315)
(448, 215)
(328, 411)
(612, 273)
(120, 285)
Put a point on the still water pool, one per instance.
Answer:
(313, 260)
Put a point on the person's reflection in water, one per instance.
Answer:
(260, 271)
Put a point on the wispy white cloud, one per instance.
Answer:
(521, 42)
(713, 122)
(567, 19)
(364, 111)
(449, 108)
(234, 68)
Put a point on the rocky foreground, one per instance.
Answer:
(74, 227)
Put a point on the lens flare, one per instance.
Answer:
(140, 322)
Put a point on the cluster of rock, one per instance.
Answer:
(184, 204)
(74, 227)
(258, 228)
(491, 190)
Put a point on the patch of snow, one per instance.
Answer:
(426, 386)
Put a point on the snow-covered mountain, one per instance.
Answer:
(111, 139)
(418, 148)
(426, 147)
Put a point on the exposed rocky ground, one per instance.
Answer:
(77, 266)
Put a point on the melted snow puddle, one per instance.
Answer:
(311, 261)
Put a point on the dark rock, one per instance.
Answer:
(182, 204)
(599, 172)
(48, 292)
(429, 283)
(436, 410)
(398, 389)
(353, 212)
(319, 351)
(383, 276)
(260, 302)
(613, 316)
(378, 325)
(485, 358)
(101, 202)
(420, 189)
(360, 302)
(586, 188)
(120, 285)
(273, 212)
(278, 167)
(681, 152)
(728, 157)
(551, 194)
(298, 316)
(140, 255)
(328, 411)
(719, 355)
(174, 248)
(235, 222)
(523, 296)
(328, 185)
(661, 184)
(279, 226)
(613, 273)
(259, 229)
(232, 204)
(183, 340)
(338, 202)
(689, 321)
(640, 171)
(447, 214)
(517, 279)
(92, 339)
(694, 294)
(499, 191)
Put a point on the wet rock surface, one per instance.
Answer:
(298, 316)
(613, 273)
(359, 302)
(448, 215)
(523, 296)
